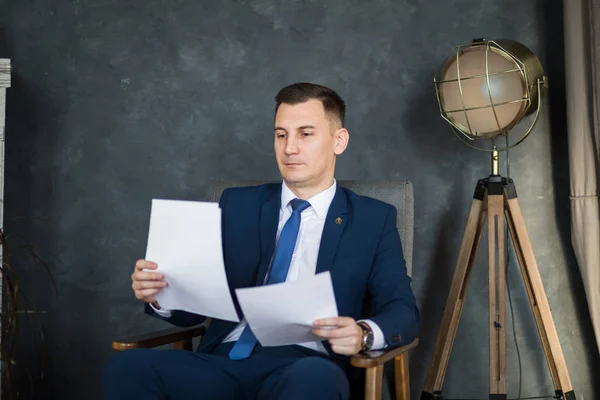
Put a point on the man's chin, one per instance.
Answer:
(295, 180)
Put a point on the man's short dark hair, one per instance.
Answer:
(302, 91)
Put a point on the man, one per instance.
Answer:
(317, 226)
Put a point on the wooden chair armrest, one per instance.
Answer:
(159, 338)
(379, 357)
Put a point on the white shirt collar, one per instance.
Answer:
(319, 202)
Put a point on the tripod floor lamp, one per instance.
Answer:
(484, 90)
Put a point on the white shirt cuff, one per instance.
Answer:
(378, 338)
(162, 312)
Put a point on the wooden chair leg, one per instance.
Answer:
(374, 383)
(402, 377)
(183, 345)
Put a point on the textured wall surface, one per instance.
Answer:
(118, 102)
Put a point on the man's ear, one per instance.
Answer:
(341, 137)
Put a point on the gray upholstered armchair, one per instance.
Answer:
(397, 193)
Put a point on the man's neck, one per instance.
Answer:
(306, 192)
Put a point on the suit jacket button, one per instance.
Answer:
(396, 338)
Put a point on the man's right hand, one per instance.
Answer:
(146, 284)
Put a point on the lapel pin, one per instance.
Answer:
(338, 221)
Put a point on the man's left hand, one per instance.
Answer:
(345, 337)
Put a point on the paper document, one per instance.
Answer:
(283, 313)
(185, 241)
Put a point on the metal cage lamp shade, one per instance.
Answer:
(486, 87)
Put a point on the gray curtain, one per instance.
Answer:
(582, 53)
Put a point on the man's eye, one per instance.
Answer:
(306, 133)
(280, 136)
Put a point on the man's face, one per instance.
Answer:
(307, 141)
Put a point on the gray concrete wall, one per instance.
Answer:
(114, 103)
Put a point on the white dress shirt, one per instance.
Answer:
(304, 258)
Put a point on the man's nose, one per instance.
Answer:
(291, 147)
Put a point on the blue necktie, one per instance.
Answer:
(279, 270)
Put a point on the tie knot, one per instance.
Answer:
(300, 205)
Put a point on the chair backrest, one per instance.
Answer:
(397, 193)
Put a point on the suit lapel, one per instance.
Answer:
(335, 221)
(269, 220)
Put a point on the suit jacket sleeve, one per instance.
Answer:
(184, 318)
(396, 312)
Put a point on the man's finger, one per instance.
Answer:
(334, 333)
(147, 292)
(147, 276)
(345, 341)
(350, 347)
(145, 264)
(344, 350)
(335, 321)
(149, 300)
(140, 285)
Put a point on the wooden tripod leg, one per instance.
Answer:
(537, 298)
(497, 292)
(455, 301)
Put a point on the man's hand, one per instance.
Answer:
(346, 336)
(146, 284)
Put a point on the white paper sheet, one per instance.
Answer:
(283, 313)
(185, 241)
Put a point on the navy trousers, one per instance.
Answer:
(270, 373)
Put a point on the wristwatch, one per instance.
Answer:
(367, 337)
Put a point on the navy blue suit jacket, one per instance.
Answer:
(363, 254)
